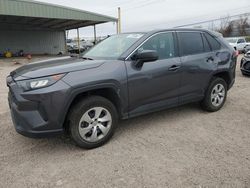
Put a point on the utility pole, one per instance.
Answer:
(78, 41)
(118, 24)
(66, 38)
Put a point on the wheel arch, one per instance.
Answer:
(225, 75)
(109, 91)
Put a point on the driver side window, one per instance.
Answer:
(162, 43)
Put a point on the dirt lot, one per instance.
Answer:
(181, 147)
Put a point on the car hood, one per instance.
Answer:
(53, 66)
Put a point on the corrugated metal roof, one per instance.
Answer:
(45, 10)
(35, 9)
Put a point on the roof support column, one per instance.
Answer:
(94, 34)
(117, 29)
(78, 41)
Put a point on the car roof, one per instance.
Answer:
(190, 29)
(216, 34)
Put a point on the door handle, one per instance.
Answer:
(174, 68)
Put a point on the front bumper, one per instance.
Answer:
(246, 72)
(25, 127)
(245, 66)
(36, 114)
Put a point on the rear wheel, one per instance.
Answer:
(215, 96)
(92, 122)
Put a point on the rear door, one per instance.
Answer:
(198, 63)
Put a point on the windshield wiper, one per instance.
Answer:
(87, 58)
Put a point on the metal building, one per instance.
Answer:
(39, 28)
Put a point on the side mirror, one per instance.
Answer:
(145, 56)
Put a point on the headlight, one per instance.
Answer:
(39, 82)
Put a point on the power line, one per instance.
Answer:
(129, 2)
(145, 4)
(138, 4)
(213, 20)
(195, 23)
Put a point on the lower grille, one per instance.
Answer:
(12, 97)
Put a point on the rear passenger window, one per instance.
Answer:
(190, 43)
(162, 43)
(215, 45)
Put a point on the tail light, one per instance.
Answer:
(236, 53)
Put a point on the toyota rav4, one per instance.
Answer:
(124, 76)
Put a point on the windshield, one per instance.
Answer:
(231, 40)
(113, 47)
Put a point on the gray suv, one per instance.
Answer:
(124, 76)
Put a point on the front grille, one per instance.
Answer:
(247, 65)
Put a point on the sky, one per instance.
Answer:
(145, 15)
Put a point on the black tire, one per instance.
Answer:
(206, 103)
(83, 107)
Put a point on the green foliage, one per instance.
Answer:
(247, 38)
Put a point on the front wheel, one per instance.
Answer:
(92, 122)
(215, 96)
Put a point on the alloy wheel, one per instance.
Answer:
(95, 124)
(218, 95)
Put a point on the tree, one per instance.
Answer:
(242, 25)
(226, 26)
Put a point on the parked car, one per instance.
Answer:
(74, 49)
(245, 64)
(238, 43)
(124, 76)
(246, 48)
(87, 44)
(69, 41)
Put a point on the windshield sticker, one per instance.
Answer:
(134, 36)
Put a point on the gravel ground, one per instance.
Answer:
(181, 147)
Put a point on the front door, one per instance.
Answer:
(155, 85)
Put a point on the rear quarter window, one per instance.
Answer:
(190, 43)
(214, 44)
